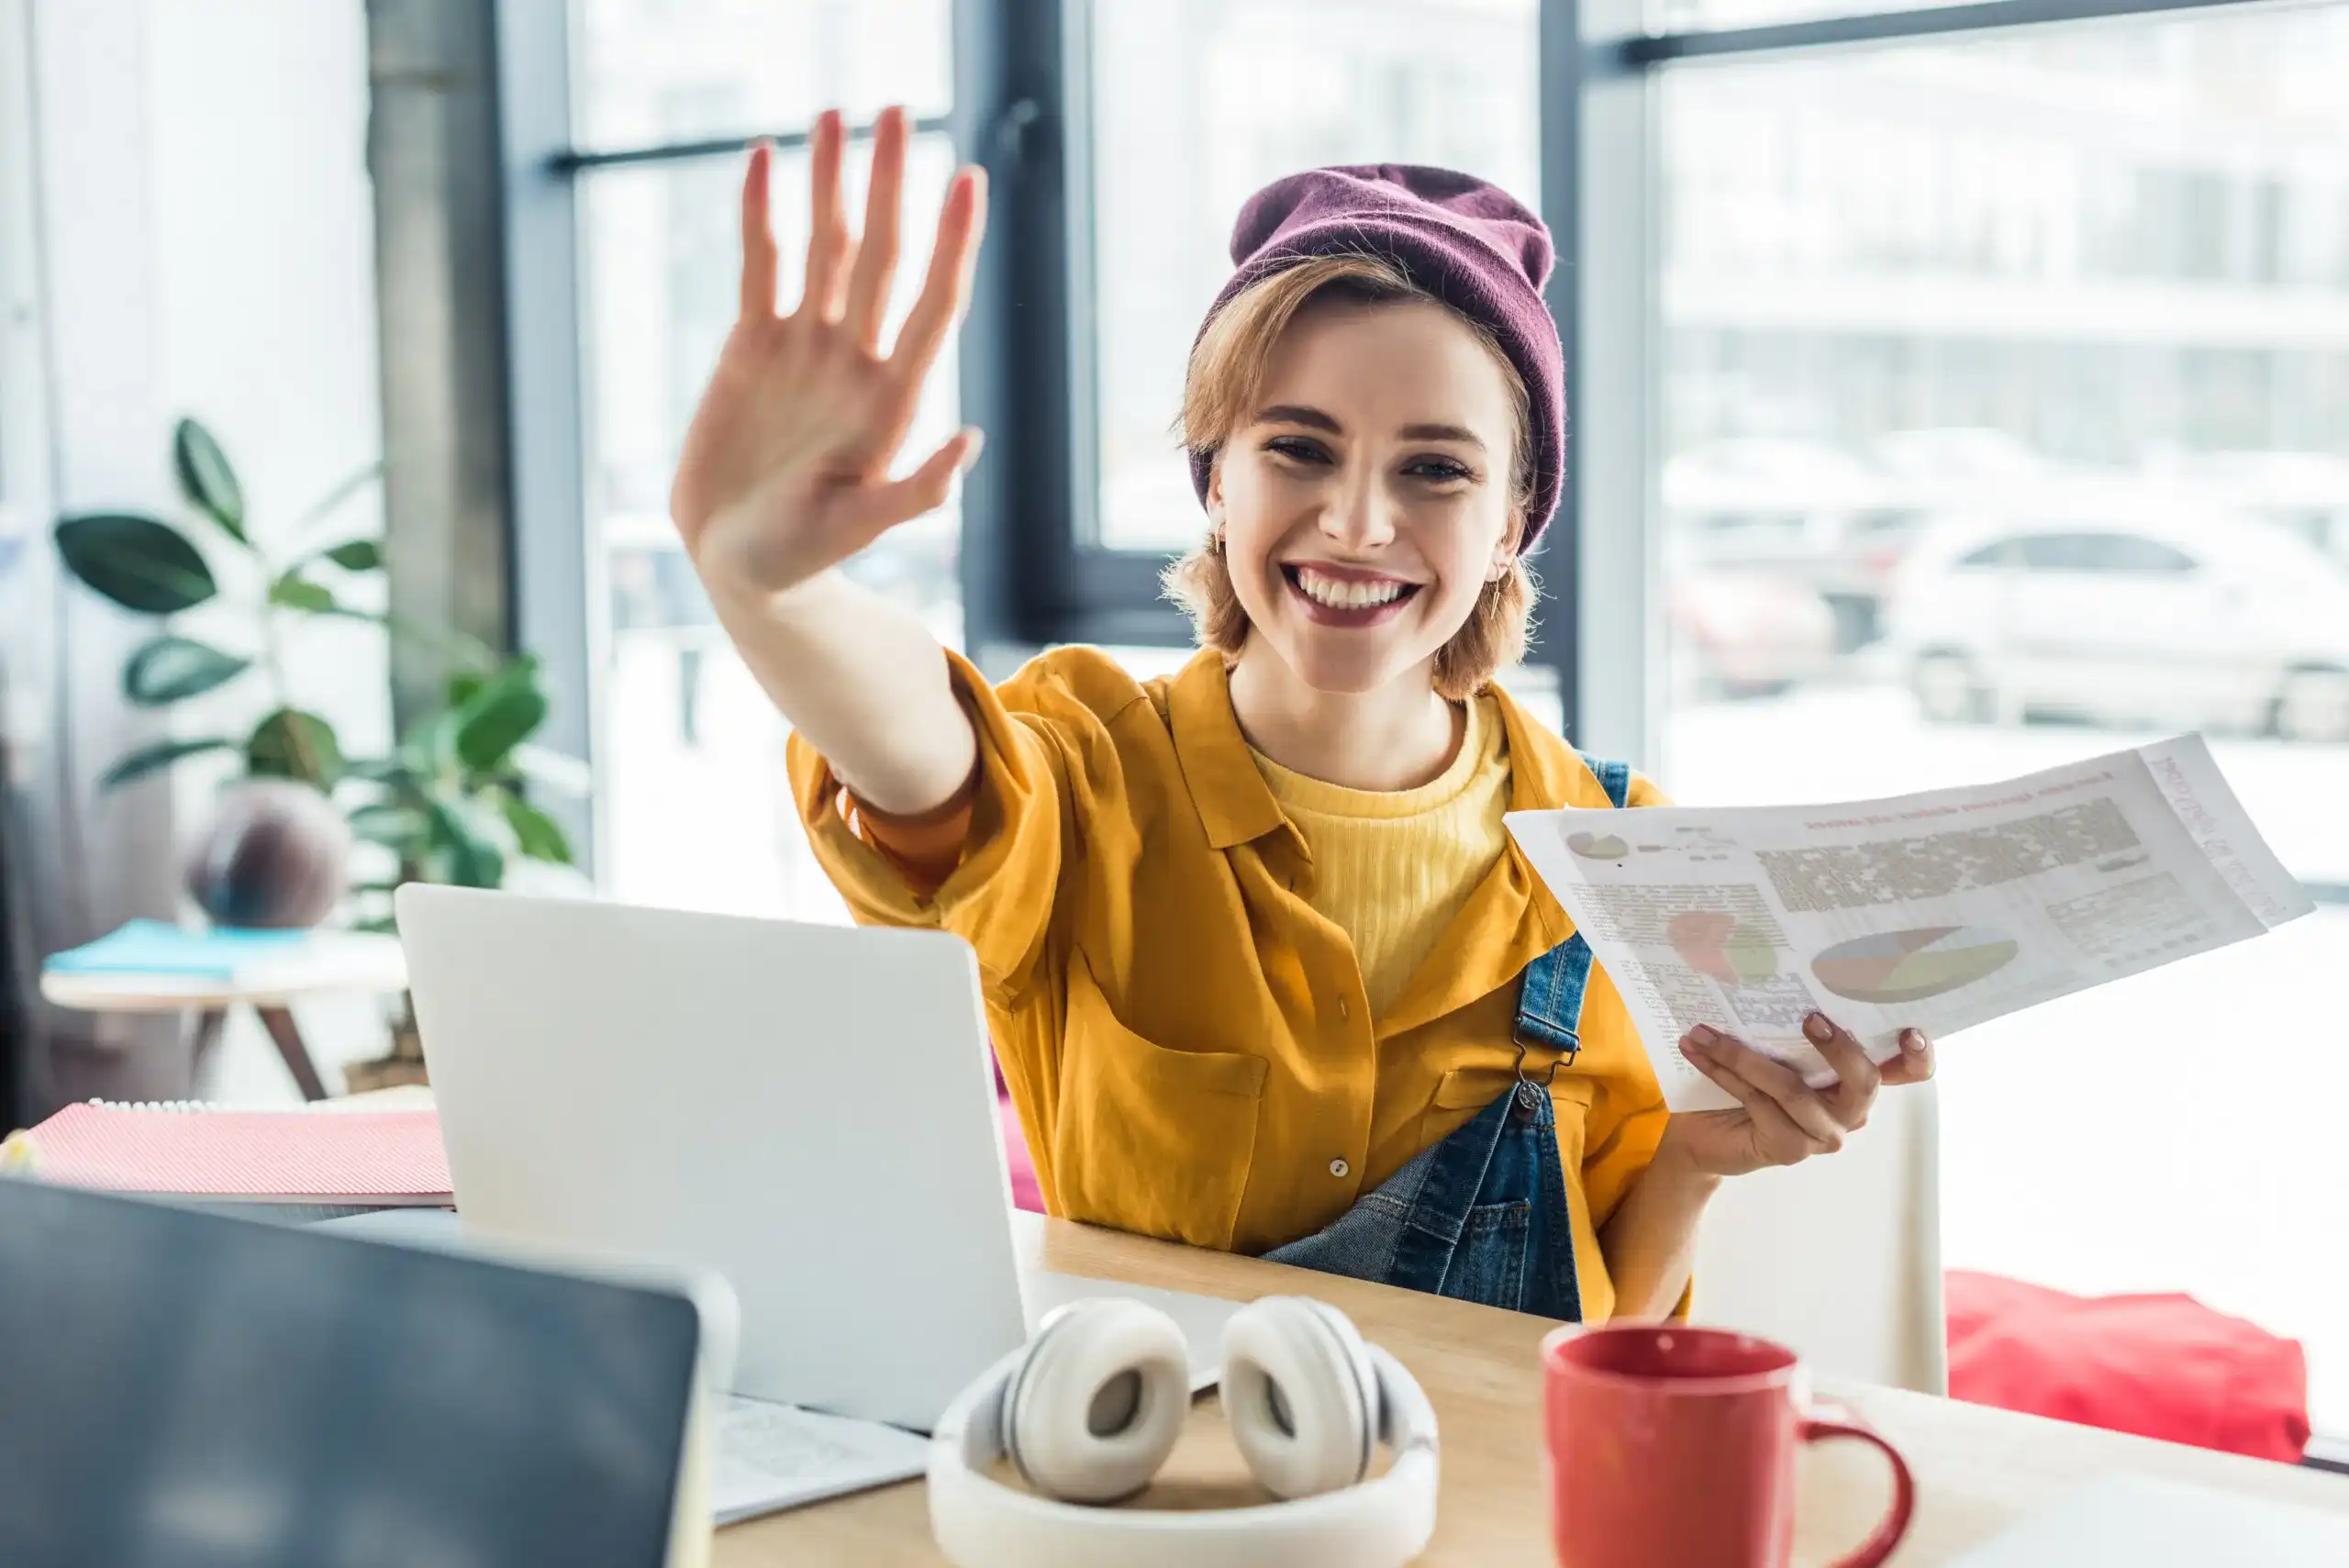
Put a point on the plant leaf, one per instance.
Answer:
(158, 754)
(395, 827)
(138, 562)
(293, 593)
(207, 479)
(500, 716)
(379, 770)
(536, 834)
(293, 744)
(356, 555)
(470, 860)
(464, 685)
(434, 740)
(170, 669)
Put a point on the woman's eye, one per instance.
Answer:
(1297, 448)
(1440, 470)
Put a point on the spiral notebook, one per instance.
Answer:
(344, 1160)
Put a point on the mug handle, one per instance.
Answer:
(1822, 1428)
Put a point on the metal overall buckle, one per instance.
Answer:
(1526, 1087)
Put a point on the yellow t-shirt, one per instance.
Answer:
(1393, 868)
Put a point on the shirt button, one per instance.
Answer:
(1339, 1169)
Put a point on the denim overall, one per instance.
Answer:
(1482, 1216)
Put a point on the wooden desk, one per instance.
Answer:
(1977, 1469)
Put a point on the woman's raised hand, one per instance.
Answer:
(785, 470)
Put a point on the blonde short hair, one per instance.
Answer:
(1219, 393)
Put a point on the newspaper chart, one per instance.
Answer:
(1935, 911)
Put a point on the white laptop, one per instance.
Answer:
(2141, 1522)
(807, 1109)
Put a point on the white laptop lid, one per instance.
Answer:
(2146, 1523)
(806, 1109)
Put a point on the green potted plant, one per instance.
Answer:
(447, 803)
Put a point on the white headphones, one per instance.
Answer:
(1088, 1409)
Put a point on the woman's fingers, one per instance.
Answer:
(1915, 1062)
(1856, 1076)
(759, 263)
(1803, 1105)
(873, 511)
(1775, 1134)
(828, 243)
(960, 223)
(876, 249)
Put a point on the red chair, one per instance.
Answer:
(1025, 1193)
(2162, 1366)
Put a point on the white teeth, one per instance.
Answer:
(1344, 594)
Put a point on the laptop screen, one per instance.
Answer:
(184, 1390)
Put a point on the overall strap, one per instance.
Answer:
(1615, 778)
(1549, 1000)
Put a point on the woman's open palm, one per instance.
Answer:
(785, 470)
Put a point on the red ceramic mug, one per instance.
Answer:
(1671, 1446)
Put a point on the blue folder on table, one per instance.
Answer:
(157, 947)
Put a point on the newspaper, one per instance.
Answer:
(1935, 911)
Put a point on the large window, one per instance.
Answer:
(2005, 391)
(1952, 395)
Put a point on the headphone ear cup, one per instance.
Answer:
(1093, 1408)
(1299, 1394)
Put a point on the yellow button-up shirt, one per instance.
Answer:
(1188, 1043)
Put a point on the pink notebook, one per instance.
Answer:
(378, 1159)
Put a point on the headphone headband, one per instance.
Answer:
(1381, 1523)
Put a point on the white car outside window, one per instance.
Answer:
(2140, 615)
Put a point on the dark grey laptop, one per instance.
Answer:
(185, 1390)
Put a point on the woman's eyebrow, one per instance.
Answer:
(1314, 419)
(1298, 414)
(1460, 433)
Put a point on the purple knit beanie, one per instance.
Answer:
(1471, 245)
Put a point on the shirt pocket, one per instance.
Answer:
(1462, 1092)
(1151, 1139)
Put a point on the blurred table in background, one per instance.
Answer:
(326, 963)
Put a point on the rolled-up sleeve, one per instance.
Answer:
(999, 895)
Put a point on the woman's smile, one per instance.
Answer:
(1346, 596)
